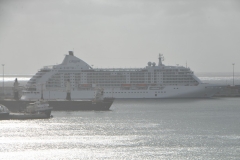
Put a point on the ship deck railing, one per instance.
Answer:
(119, 69)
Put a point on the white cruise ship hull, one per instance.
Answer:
(79, 79)
(199, 91)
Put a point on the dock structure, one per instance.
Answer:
(9, 92)
(229, 91)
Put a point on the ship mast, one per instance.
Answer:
(160, 59)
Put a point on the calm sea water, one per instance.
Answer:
(132, 129)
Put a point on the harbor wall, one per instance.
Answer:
(8, 92)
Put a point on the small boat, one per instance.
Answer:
(39, 107)
(35, 110)
(4, 112)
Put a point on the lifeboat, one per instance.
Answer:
(85, 85)
(141, 85)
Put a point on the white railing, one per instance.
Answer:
(119, 69)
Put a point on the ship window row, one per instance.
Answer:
(123, 81)
(52, 79)
(30, 92)
(73, 71)
(106, 84)
(136, 92)
(170, 70)
(138, 77)
(70, 75)
(115, 79)
(137, 82)
(142, 80)
(125, 92)
(109, 85)
(177, 72)
(53, 85)
(178, 79)
(116, 76)
(108, 77)
(113, 73)
(124, 73)
(106, 73)
(102, 75)
(175, 75)
(107, 81)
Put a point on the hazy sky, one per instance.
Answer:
(124, 33)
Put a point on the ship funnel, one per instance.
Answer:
(70, 53)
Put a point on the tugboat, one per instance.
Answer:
(36, 110)
(4, 112)
(39, 107)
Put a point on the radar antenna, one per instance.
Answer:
(160, 58)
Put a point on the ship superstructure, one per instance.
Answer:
(152, 81)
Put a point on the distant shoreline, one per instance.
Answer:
(17, 75)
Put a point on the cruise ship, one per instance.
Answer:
(152, 81)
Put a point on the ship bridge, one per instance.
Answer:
(72, 61)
